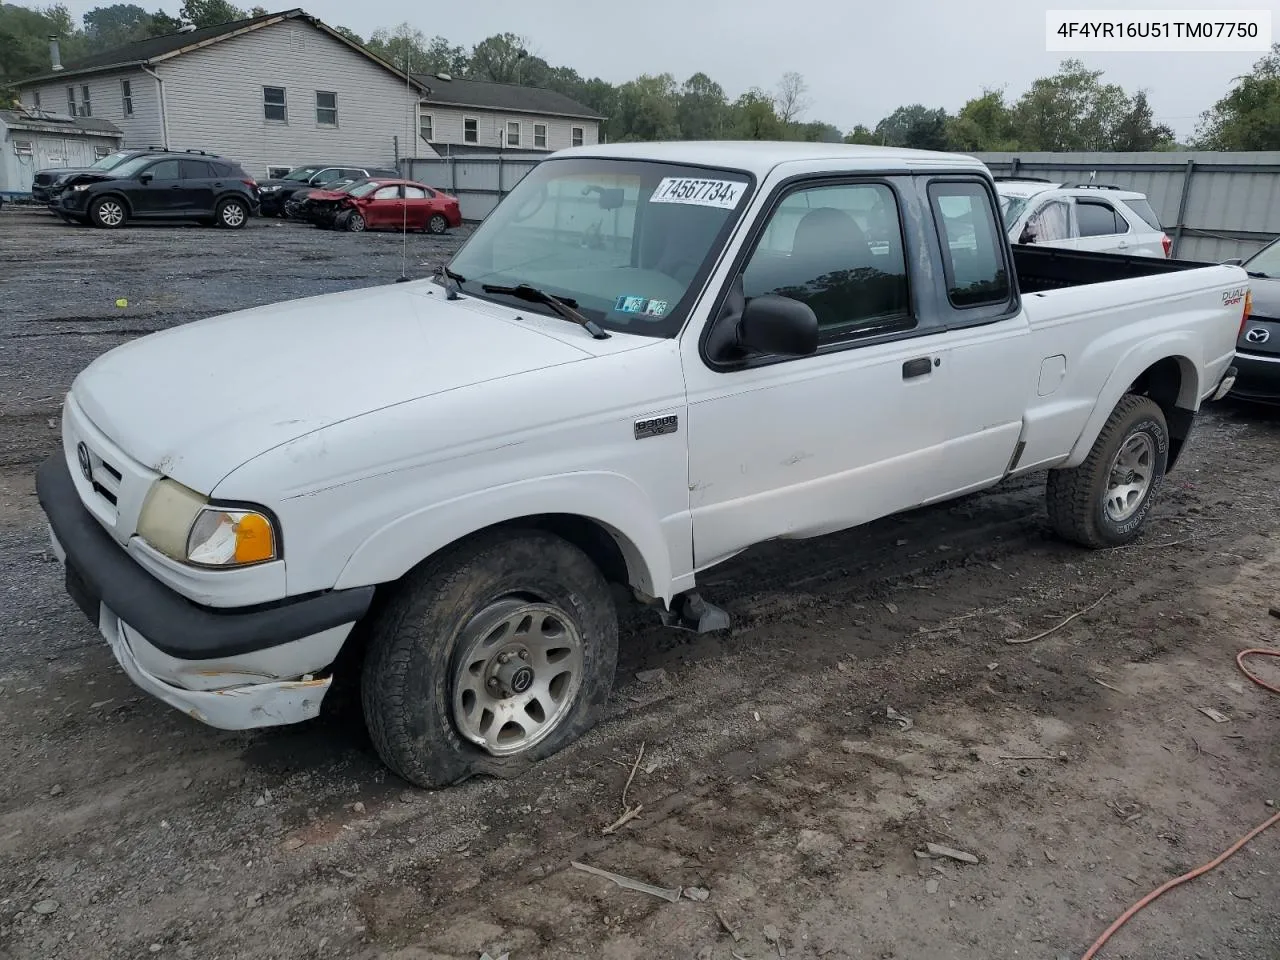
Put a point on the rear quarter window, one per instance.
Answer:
(1144, 210)
(972, 244)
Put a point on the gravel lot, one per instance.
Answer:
(771, 776)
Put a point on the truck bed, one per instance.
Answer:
(1049, 268)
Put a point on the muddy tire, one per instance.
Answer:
(489, 658)
(109, 213)
(1105, 501)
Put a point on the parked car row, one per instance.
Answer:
(156, 184)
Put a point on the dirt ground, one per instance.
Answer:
(1077, 768)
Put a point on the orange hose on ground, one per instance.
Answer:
(1217, 861)
(1245, 670)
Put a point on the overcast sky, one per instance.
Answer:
(860, 60)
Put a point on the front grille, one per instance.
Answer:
(44, 179)
(105, 478)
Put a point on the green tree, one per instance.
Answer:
(162, 24)
(116, 25)
(646, 109)
(498, 58)
(753, 117)
(702, 110)
(1073, 110)
(210, 13)
(407, 45)
(916, 126)
(815, 131)
(1137, 130)
(24, 41)
(349, 34)
(1248, 117)
(984, 123)
(861, 134)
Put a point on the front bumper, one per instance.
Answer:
(40, 194)
(230, 668)
(1258, 377)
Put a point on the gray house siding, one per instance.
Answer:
(215, 100)
(106, 96)
(447, 127)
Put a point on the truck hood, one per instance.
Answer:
(196, 402)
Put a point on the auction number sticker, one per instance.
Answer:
(703, 193)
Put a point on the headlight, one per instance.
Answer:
(271, 189)
(181, 524)
(81, 186)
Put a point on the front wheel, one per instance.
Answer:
(490, 657)
(1105, 501)
(231, 213)
(108, 213)
(355, 222)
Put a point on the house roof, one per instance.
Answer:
(485, 95)
(154, 49)
(43, 121)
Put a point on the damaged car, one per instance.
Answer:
(386, 204)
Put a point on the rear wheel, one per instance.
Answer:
(231, 214)
(1104, 502)
(489, 658)
(437, 223)
(108, 213)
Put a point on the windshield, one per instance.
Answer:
(363, 189)
(110, 161)
(301, 174)
(1266, 261)
(131, 168)
(1011, 208)
(629, 241)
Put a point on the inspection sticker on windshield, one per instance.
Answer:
(641, 305)
(704, 193)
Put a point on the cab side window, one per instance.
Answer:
(973, 247)
(839, 249)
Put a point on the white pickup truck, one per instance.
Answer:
(647, 359)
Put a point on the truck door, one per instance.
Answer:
(800, 446)
(991, 374)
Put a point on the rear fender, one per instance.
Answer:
(1178, 346)
(611, 500)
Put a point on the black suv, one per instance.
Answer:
(166, 186)
(46, 183)
(274, 194)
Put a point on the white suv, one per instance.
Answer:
(1087, 216)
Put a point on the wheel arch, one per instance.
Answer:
(1162, 370)
(109, 195)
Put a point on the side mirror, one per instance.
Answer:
(145, 178)
(778, 325)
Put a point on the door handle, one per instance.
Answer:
(917, 368)
(176, 186)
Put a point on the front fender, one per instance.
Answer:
(1179, 346)
(610, 499)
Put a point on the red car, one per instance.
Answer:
(385, 204)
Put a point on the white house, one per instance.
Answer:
(271, 91)
(459, 117)
(284, 89)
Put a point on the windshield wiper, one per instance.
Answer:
(1259, 274)
(564, 307)
(451, 280)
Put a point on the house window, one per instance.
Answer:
(35, 99)
(86, 108)
(540, 135)
(71, 101)
(274, 106)
(577, 136)
(427, 128)
(23, 148)
(126, 97)
(470, 130)
(326, 109)
(99, 152)
(513, 133)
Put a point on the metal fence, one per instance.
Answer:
(1213, 205)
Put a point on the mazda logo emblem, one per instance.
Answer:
(1258, 335)
(522, 680)
(86, 465)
